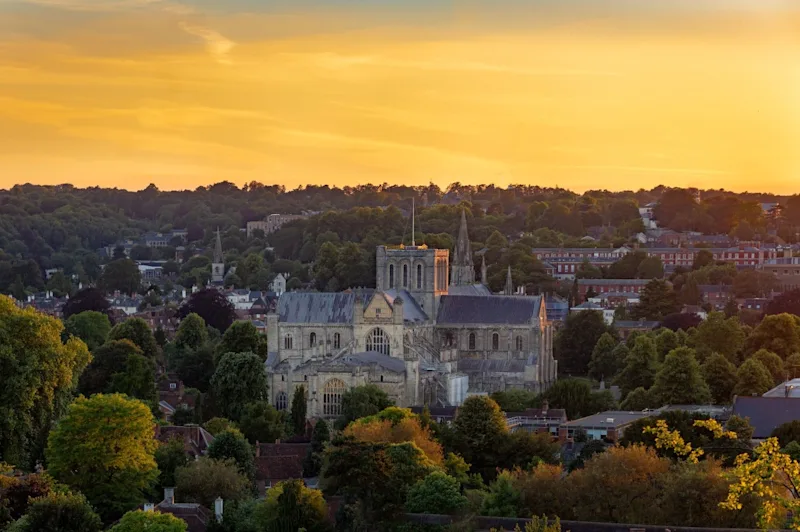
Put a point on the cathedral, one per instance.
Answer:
(429, 333)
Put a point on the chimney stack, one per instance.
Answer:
(149, 507)
(545, 406)
(218, 509)
(169, 495)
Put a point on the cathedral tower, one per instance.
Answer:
(463, 268)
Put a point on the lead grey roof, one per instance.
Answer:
(469, 290)
(317, 307)
(354, 360)
(411, 310)
(465, 310)
(767, 413)
(610, 419)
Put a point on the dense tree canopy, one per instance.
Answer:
(576, 341)
(90, 326)
(212, 306)
(238, 380)
(38, 374)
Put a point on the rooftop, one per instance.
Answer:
(610, 419)
(513, 310)
(766, 413)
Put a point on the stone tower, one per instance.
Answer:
(463, 269)
(417, 269)
(509, 289)
(218, 264)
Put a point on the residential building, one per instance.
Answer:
(600, 286)
(542, 419)
(196, 439)
(716, 295)
(278, 284)
(608, 425)
(766, 413)
(589, 306)
(786, 270)
(279, 461)
(196, 516)
(626, 327)
(272, 223)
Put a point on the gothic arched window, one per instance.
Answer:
(405, 275)
(312, 339)
(518, 343)
(281, 401)
(378, 341)
(332, 397)
(471, 341)
(288, 341)
(419, 276)
(495, 341)
(337, 340)
(391, 276)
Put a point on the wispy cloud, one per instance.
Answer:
(217, 44)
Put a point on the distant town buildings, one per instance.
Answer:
(272, 223)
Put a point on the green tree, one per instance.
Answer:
(773, 363)
(261, 422)
(137, 331)
(104, 448)
(640, 366)
(438, 493)
(362, 401)
(650, 268)
(515, 400)
(203, 480)
(141, 521)
(503, 499)
(457, 467)
(109, 358)
(656, 301)
(666, 341)
(779, 333)
(638, 399)
(59, 512)
(218, 425)
(232, 445)
(241, 337)
(212, 306)
(718, 334)
(170, 456)
(298, 412)
(792, 366)
(576, 397)
(38, 374)
(86, 299)
(192, 332)
(195, 367)
(238, 380)
(137, 380)
(787, 432)
(90, 326)
(292, 506)
(575, 342)
(604, 363)
(482, 429)
(752, 378)
(680, 381)
(312, 465)
(121, 275)
(720, 375)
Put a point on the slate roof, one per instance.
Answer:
(626, 324)
(469, 290)
(280, 461)
(317, 307)
(613, 282)
(767, 413)
(411, 310)
(354, 360)
(610, 419)
(487, 310)
(494, 366)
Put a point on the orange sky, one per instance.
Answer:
(602, 94)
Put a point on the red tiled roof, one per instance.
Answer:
(280, 461)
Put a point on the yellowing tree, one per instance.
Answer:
(407, 429)
(104, 448)
(37, 377)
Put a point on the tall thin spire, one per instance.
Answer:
(219, 258)
(463, 268)
(483, 270)
(413, 224)
(509, 290)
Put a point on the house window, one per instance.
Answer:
(518, 343)
(495, 341)
(405, 275)
(378, 341)
(391, 276)
(381, 378)
(471, 341)
(312, 339)
(419, 276)
(281, 401)
(288, 341)
(172, 386)
(337, 340)
(332, 397)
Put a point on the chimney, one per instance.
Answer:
(218, 509)
(169, 495)
(258, 449)
(545, 406)
(149, 507)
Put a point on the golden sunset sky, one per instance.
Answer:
(583, 94)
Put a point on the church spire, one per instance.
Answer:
(483, 270)
(509, 290)
(218, 256)
(463, 268)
